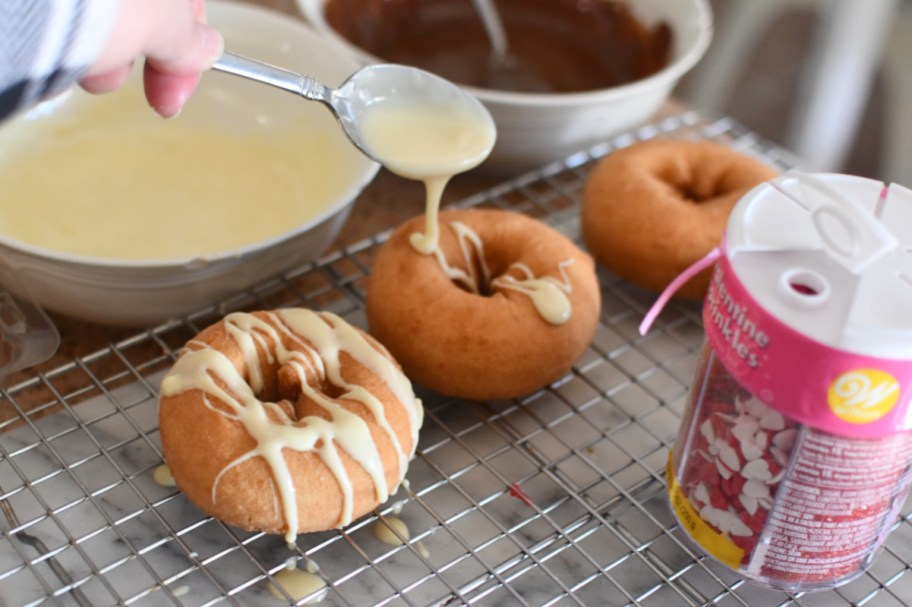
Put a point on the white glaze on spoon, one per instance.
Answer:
(428, 143)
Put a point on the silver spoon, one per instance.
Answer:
(369, 85)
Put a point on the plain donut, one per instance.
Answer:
(491, 345)
(652, 209)
(287, 422)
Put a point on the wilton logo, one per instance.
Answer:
(863, 395)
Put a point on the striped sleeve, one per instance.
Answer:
(45, 45)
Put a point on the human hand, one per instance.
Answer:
(176, 44)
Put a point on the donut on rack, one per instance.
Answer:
(287, 421)
(652, 209)
(492, 305)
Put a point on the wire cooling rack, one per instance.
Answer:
(554, 499)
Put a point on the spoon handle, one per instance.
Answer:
(300, 84)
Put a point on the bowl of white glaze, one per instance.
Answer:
(112, 215)
(533, 127)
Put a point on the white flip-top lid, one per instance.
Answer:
(831, 257)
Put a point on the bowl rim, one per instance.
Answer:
(240, 11)
(312, 11)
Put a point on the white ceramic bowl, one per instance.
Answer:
(146, 291)
(533, 129)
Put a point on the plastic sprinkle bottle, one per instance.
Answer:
(794, 455)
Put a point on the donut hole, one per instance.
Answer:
(500, 249)
(693, 187)
(290, 390)
(497, 269)
(476, 267)
(500, 252)
(305, 406)
(485, 289)
(695, 192)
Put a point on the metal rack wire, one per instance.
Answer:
(554, 499)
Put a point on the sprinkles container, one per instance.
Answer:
(794, 454)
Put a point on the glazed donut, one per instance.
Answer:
(652, 209)
(502, 307)
(287, 422)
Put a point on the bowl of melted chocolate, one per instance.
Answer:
(576, 71)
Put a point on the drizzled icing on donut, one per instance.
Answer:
(319, 339)
(471, 247)
(445, 144)
(548, 294)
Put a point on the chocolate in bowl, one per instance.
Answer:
(557, 46)
(535, 127)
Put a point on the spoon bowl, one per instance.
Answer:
(406, 88)
(379, 85)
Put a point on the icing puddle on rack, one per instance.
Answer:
(162, 475)
(393, 531)
(299, 583)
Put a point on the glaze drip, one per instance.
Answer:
(319, 339)
(548, 294)
(472, 250)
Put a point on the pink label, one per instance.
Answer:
(820, 386)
